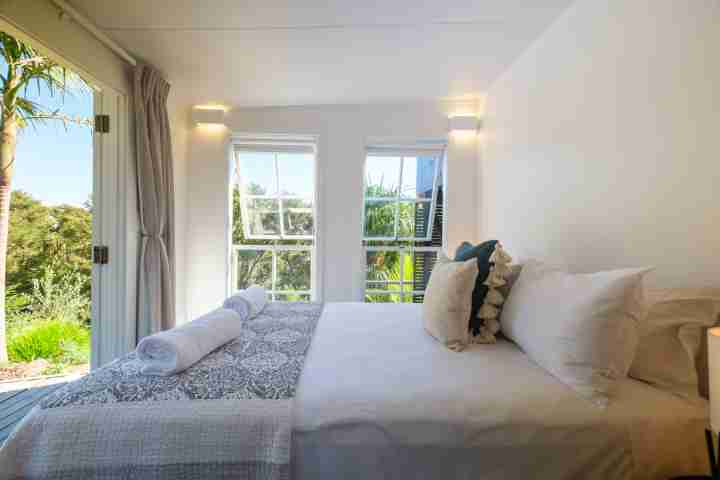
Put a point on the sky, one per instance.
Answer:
(54, 164)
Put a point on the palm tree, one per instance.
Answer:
(26, 68)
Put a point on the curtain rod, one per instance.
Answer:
(67, 9)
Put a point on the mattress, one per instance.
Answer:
(380, 399)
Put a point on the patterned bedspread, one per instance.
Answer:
(228, 416)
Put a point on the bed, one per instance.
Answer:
(378, 398)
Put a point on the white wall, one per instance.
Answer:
(342, 133)
(601, 142)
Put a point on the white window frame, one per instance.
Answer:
(274, 148)
(279, 143)
(275, 249)
(402, 153)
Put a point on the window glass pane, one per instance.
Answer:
(380, 218)
(384, 286)
(382, 176)
(257, 172)
(393, 298)
(291, 297)
(414, 219)
(296, 174)
(293, 270)
(254, 267)
(263, 216)
(417, 179)
(298, 217)
(383, 266)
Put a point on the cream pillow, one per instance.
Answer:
(447, 304)
(672, 351)
(581, 328)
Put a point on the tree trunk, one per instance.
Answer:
(8, 142)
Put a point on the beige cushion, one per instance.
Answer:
(672, 351)
(581, 328)
(447, 303)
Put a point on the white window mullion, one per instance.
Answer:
(277, 196)
(402, 273)
(396, 230)
(273, 279)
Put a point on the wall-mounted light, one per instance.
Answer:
(465, 124)
(208, 115)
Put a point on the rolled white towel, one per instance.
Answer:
(174, 350)
(247, 303)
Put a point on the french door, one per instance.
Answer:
(113, 326)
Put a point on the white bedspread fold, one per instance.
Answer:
(248, 303)
(174, 350)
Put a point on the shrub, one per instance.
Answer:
(58, 341)
(60, 297)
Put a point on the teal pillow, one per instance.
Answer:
(482, 253)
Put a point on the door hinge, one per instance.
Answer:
(100, 255)
(102, 123)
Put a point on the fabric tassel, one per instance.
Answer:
(484, 336)
(492, 325)
(494, 280)
(488, 311)
(502, 270)
(494, 297)
(499, 255)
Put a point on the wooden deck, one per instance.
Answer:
(16, 404)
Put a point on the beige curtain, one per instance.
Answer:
(156, 282)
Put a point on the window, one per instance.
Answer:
(274, 218)
(402, 220)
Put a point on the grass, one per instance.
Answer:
(58, 341)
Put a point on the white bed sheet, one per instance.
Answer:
(380, 399)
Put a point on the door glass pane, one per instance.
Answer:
(263, 216)
(382, 176)
(293, 270)
(296, 174)
(298, 217)
(414, 219)
(418, 176)
(380, 219)
(254, 267)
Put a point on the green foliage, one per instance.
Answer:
(60, 297)
(48, 294)
(41, 238)
(26, 68)
(58, 341)
(53, 323)
(15, 303)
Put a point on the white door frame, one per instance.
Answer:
(113, 318)
(115, 216)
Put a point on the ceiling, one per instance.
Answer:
(285, 52)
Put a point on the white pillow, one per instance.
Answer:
(672, 354)
(448, 301)
(582, 328)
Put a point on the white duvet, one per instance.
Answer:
(380, 399)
